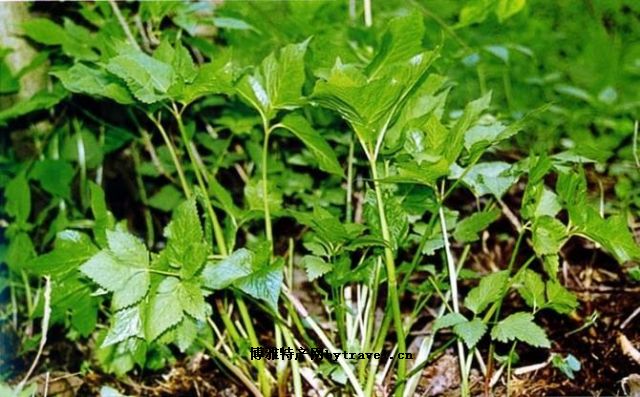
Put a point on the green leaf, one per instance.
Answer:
(277, 83)
(401, 40)
(222, 274)
(55, 176)
(264, 283)
(370, 106)
(166, 199)
(474, 11)
(76, 41)
(186, 334)
(125, 323)
(612, 233)
(9, 84)
(93, 81)
(43, 99)
(44, 31)
(315, 266)
(18, 198)
(551, 265)
(121, 269)
(507, 8)
(520, 326)
(192, 300)
(492, 177)
(164, 309)
(20, 252)
(531, 288)
(547, 205)
(490, 289)
(470, 331)
(321, 150)
(147, 78)
(212, 78)
(549, 235)
(560, 299)
(72, 248)
(186, 248)
(103, 220)
(472, 112)
(448, 320)
(469, 228)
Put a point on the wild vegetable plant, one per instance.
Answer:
(347, 163)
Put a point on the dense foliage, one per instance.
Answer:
(201, 177)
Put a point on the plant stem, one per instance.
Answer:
(453, 281)
(265, 190)
(236, 371)
(349, 212)
(143, 196)
(391, 275)
(173, 154)
(217, 230)
(262, 371)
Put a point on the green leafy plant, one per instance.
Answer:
(208, 182)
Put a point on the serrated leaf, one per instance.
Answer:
(448, 320)
(370, 106)
(469, 228)
(186, 248)
(164, 309)
(549, 235)
(191, 299)
(401, 40)
(186, 334)
(82, 79)
(471, 113)
(212, 78)
(124, 324)
(264, 283)
(222, 274)
(560, 299)
(121, 269)
(490, 289)
(520, 326)
(531, 288)
(321, 150)
(612, 233)
(493, 177)
(470, 331)
(315, 266)
(147, 78)
(551, 265)
(71, 249)
(277, 83)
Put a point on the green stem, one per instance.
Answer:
(391, 275)
(174, 156)
(262, 371)
(157, 271)
(143, 196)
(453, 281)
(235, 370)
(217, 230)
(265, 190)
(349, 214)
